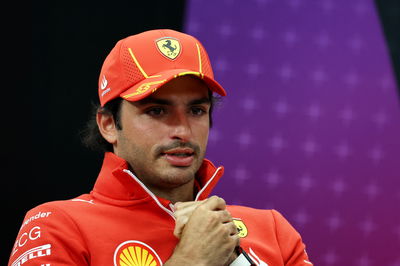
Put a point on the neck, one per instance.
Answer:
(182, 193)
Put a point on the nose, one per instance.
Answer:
(180, 127)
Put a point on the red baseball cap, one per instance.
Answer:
(140, 64)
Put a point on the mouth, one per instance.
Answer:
(181, 157)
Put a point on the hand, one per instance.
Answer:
(207, 234)
(182, 213)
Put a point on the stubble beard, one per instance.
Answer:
(155, 172)
(168, 176)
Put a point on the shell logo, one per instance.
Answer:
(135, 253)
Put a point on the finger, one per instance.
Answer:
(225, 216)
(215, 203)
(180, 223)
(182, 213)
(185, 208)
(231, 228)
(236, 239)
(178, 230)
(181, 205)
(176, 205)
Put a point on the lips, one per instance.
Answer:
(181, 157)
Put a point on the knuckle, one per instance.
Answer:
(225, 230)
(233, 241)
(201, 208)
(217, 199)
(228, 229)
(211, 199)
(214, 216)
(228, 215)
(222, 230)
(233, 226)
(181, 220)
(177, 213)
(236, 240)
(177, 205)
(222, 201)
(214, 197)
(178, 222)
(233, 230)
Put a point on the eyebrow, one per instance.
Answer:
(152, 100)
(200, 101)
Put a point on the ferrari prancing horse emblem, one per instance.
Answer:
(241, 227)
(169, 47)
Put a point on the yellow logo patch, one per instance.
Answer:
(143, 88)
(241, 227)
(135, 253)
(169, 47)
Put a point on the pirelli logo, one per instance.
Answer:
(33, 253)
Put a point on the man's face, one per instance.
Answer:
(164, 136)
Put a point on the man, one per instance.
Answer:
(150, 204)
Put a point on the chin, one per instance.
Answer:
(177, 177)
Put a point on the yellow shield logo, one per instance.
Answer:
(169, 47)
(241, 227)
(136, 253)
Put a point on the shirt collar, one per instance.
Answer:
(117, 184)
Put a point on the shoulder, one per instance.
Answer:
(266, 218)
(55, 210)
(269, 214)
(51, 227)
(271, 225)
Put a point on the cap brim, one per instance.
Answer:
(149, 85)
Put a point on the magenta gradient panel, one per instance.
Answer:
(311, 123)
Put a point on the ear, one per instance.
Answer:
(107, 127)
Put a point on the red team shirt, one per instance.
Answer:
(121, 222)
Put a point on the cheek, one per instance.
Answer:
(144, 135)
(138, 127)
(201, 133)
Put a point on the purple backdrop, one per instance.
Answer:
(311, 123)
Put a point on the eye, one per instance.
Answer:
(198, 111)
(155, 111)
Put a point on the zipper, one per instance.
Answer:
(150, 193)
(208, 183)
(171, 206)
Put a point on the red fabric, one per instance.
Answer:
(140, 64)
(120, 220)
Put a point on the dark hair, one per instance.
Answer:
(91, 136)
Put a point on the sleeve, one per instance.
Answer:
(290, 242)
(48, 236)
